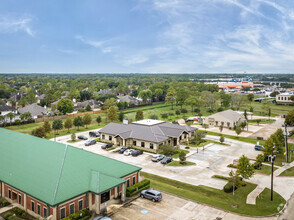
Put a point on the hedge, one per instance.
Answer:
(229, 187)
(132, 190)
(7, 215)
(77, 215)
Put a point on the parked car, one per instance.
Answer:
(136, 153)
(94, 134)
(157, 157)
(122, 150)
(90, 142)
(82, 137)
(106, 146)
(101, 218)
(151, 194)
(128, 152)
(259, 147)
(166, 160)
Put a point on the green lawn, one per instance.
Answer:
(178, 164)
(288, 172)
(178, 154)
(280, 159)
(275, 109)
(267, 170)
(70, 141)
(218, 198)
(262, 121)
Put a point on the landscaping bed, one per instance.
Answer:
(218, 198)
(3, 202)
(71, 141)
(179, 164)
(16, 214)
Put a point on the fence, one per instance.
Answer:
(50, 118)
(83, 113)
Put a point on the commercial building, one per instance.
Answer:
(52, 180)
(284, 99)
(146, 134)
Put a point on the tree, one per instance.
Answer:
(87, 119)
(31, 97)
(250, 97)
(109, 102)
(74, 94)
(269, 112)
(47, 126)
(243, 124)
(171, 97)
(258, 121)
(182, 157)
(167, 150)
(225, 99)
(65, 106)
(274, 94)
(245, 114)
(78, 121)
(88, 108)
(289, 120)
(73, 137)
(39, 132)
(158, 93)
(244, 168)
(205, 126)
(23, 101)
(98, 119)
(259, 160)
(85, 95)
(57, 125)
(68, 124)
(235, 179)
(238, 131)
(221, 128)
(292, 98)
(192, 101)
(182, 95)
(2, 118)
(112, 113)
(221, 139)
(139, 115)
(145, 95)
(199, 135)
(10, 115)
(121, 116)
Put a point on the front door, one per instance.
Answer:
(175, 142)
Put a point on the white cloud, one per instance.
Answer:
(102, 45)
(13, 25)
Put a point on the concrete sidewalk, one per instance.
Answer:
(251, 197)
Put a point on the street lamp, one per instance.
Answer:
(271, 158)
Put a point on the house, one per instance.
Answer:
(5, 109)
(35, 110)
(41, 98)
(52, 180)
(227, 118)
(146, 134)
(82, 105)
(284, 98)
(129, 99)
(105, 91)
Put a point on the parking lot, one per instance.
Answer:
(213, 160)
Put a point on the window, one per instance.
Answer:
(222, 123)
(142, 144)
(216, 123)
(135, 143)
(151, 146)
(72, 209)
(103, 136)
(134, 180)
(39, 209)
(128, 183)
(19, 199)
(9, 194)
(62, 213)
(80, 205)
(110, 138)
(105, 197)
(32, 206)
(228, 124)
(45, 212)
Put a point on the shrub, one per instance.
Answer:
(229, 187)
(259, 138)
(14, 218)
(4, 203)
(18, 211)
(197, 110)
(164, 115)
(24, 215)
(80, 215)
(178, 112)
(210, 110)
(184, 110)
(232, 165)
(7, 215)
(220, 109)
(171, 114)
(220, 177)
(132, 190)
(187, 147)
(155, 117)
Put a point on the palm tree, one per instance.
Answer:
(10, 115)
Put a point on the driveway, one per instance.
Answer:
(172, 207)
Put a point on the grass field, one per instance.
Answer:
(288, 172)
(218, 198)
(178, 164)
(267, 170)
(262, 121)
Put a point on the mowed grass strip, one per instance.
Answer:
(288, 172)
(218, 198)
(178, 164)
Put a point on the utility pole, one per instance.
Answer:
(271, 158)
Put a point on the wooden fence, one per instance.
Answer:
(83, 113)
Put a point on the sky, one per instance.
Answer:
(146, 36)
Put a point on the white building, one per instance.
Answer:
(284, 98)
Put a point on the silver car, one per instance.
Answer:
(157, 157)
(151, 194)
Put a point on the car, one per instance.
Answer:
(258, 147)
(82, 137)
(101, 218)
(122, 150)
(90, 142)
(157, 157)
(94, 134)
(106, 146)
(136, 153)
(166, 160)
(151, 194)
(128, 152)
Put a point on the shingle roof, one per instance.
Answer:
(228, 114)
(6, 108)
(34, 109)
(53, 172)
(154, 133)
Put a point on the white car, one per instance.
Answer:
(128, 152)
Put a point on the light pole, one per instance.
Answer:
(271, 158)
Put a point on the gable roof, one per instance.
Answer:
(34, 109)
(53, 172)
(157, 133)
(228, 114)
(6, 108)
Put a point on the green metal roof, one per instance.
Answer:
(53, 172)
